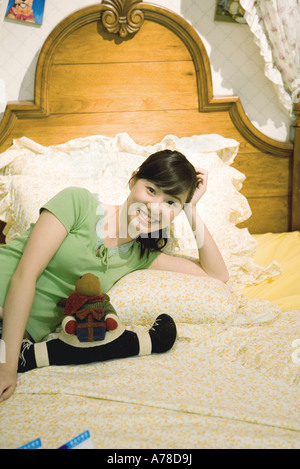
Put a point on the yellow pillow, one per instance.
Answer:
(142, 295)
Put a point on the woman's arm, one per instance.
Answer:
(43, 242)
(210, 258)
(211, 263)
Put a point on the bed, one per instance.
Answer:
(140, 81)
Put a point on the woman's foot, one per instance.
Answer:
(163, 334)
(27, 356)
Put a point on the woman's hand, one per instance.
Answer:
(202, 176)
(8, 382)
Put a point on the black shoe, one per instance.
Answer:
(163, 334)
(27, 356)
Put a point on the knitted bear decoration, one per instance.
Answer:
(89, 313)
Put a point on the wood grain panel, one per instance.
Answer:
(269, 214)
(165, 45)
(267, 175)
(120, 87)
(144, 127)
(151, 84)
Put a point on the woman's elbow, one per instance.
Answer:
(224, 276)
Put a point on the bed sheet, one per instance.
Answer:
(219, 387)
(282, 290)
(230, 385)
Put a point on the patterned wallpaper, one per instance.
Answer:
(237, 67)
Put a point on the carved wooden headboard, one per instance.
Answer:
(133, 66)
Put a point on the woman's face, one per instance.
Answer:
(149, 208)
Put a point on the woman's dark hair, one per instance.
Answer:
(171, 172)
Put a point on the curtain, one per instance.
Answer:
(276, 27)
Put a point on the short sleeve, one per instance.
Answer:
(71, 206)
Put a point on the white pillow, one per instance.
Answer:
(23, 196)
(88, 157)
(29, 158)
(225, 148)
(104, 166)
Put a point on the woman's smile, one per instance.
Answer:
(146, 218)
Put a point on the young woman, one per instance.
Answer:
(75, 234)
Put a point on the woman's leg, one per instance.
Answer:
(120, 343)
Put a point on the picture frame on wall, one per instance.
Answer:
(26, 11)
(230, 11)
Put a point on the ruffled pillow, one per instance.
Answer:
(23, 196)
(104, 166)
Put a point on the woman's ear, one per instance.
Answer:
(132, 179)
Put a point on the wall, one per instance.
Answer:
(237, 67)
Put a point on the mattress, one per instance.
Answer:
(282, 290)
(221, 386)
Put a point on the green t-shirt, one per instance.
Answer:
(82, 251)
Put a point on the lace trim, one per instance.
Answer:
(26, 344)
